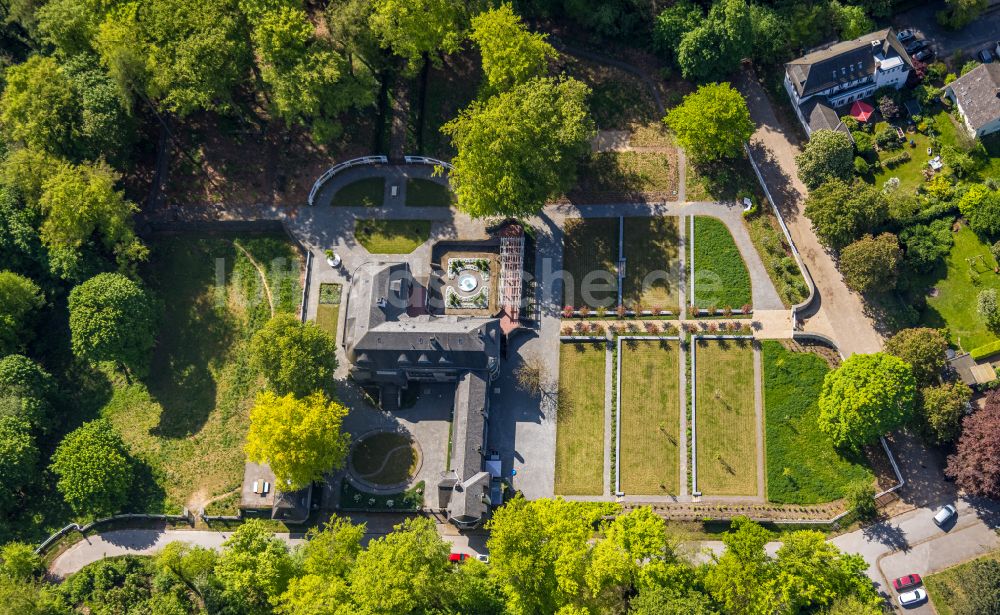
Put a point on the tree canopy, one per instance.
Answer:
(866, 397)
(712, 123)
(511, 54)
(871, 264)
(828, 154)
(112, 318)
(981, 206)
(94, 469)
(18, 458)
(975, 465)
(519, 148)
(941, 410)
(923, 348)
(295, 357)
(300, 439)
(30, 388)
(415, 28)
(39, 107)
(20, 299)
(842, 212)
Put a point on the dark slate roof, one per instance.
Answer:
(380, 335)
(978, 93)
(821, 116)
(468, 499)
(815, 71)
(468, 424)
(292, 506)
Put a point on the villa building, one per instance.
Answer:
(841, 73)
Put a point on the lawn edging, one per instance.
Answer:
(618, 398)
(337, 168)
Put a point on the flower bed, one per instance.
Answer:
(478, 301)
(352, 498)
(458, 265)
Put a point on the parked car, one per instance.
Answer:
(904, 583)
(924, 54)
(985, 56)
(916, 46)
(484, 558)
(946, 514)
(914, 597)
(906, 35)
(458, 557)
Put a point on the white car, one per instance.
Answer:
(945, 515)
(914, 597)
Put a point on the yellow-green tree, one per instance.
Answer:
(299, 438)
(511, 54)
(415, 28)
(711, 123)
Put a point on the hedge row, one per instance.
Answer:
(985, 351)
(895, 161)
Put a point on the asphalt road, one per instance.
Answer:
(983, 32)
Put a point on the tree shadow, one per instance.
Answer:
(885, 533)
(146, 494)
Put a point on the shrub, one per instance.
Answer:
(888, 107)
(864, 145)
(986, 307)
(860, 497)
(894, 161)
(887, 138)
(861, 167)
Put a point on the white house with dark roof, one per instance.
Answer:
(840, 73)
(976, 95)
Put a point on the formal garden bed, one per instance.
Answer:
(721, 279)
(579, 466)
(353, 498)
(726, 424)
(422, 192)
(776, 254)
(328, 310)
(803, 465)
(392, 236)
(590, 244)
(649, 455)
(365, 192)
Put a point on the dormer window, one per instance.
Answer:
(843, 71)
(834, 74)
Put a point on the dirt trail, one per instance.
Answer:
(263, 276)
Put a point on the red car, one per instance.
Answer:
(460, 557)
(910, 580)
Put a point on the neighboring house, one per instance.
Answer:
(841, 73)
(976, 95)
(390, 344)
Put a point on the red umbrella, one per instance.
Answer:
(861, 111)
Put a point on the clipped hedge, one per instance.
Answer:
(986, 350)
(895, 161)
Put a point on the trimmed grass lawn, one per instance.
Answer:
(421, 192)
(615, 175)
(803, 466)
(955, 304)
(385, 458)
(721, 276)
(589, 245)
(392, 236)
(650, 418)
(186, 422)
(946, 589)
(328, 310)
(367, 192)
(726, 434)
(580, 419)
(651, 246)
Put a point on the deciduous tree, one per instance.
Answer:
(923, 348)
(18, 459)
(94, 469)
(927, 244)
(511, 53)
(981, 206)
(866, 397)
(299, 438)
(842, 212)
(18, 561)
(942, 408)
(828, 154)
(715, 48)
(111, 318)
(295, 357)
(20, 299)
(520, 148)
(39, 106)
(712, 123)
(31, 387)
(988, 308)
(975, 466)
(254, 567)
(871, 264)
(415, 28)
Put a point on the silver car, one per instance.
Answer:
(946, 514)
(914, 597)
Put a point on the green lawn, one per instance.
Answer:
(392, 236)
(726, 424)
(328, 310)
(721, 277)
(421, 192)
(367, 192)
(651, 248)
(186, 422)
(580, 419)
(957, 288)
(617, 175)
(590, 244)
(384, 458)
(650, 418)
(803, 466)
(722, 181)
(946, 589)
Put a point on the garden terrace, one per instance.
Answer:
(580, 419)
(803, 465)
(720, 276)
(651, 244)
(649, 455)
(726, 422)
